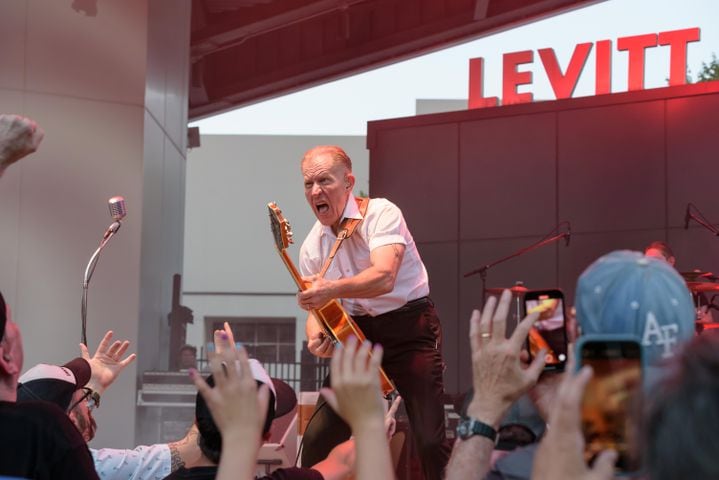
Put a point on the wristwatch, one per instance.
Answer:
(469, 427)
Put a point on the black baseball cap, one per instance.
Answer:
(52, 383)
(282, 401)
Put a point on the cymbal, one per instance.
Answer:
(698, 275)
(702, 287)
(516, 290)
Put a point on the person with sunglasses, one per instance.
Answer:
(77, 388)
(37, 440)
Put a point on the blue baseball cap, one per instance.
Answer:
(625, 292)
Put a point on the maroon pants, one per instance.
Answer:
(412, 340)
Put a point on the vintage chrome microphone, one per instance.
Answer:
(118, 211)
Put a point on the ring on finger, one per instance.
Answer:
(485, 334)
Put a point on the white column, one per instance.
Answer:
(109, 87)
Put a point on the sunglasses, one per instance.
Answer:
(84, 398)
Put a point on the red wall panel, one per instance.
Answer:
(693, 156)
(507, 176)
(417, 168)
(479, 184)
(612, 167)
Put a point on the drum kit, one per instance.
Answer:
(704, 287)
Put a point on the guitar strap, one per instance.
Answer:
(347, 228)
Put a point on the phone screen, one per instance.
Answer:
(549, 331)
(609, 397)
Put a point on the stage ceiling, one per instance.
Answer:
(246, 51)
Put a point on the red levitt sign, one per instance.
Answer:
(564, 82)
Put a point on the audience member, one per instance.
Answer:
(37, 439)
(628, 293)
(238, 408)
(54, 384)
(499, 379)
(517, 463)
(679, 425)
(621, 293)
(188, 357)
(355, 395)
(76, 388)
(72, 390)
(682, 421)
(244, 404)
(625, 292)
(561, 452)
(19, 137)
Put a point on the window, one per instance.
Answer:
(268, 339)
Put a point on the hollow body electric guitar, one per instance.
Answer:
(335, 322)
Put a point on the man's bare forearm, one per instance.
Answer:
(369, 283)
(470, 458)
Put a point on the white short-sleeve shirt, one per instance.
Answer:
(383, 224)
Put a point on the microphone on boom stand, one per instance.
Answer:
(118, 211)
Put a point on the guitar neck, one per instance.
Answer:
(293, 270)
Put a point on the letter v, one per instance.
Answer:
(564, 84)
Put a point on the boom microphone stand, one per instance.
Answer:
(551, 237)
(699, 218)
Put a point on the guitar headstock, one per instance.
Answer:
(281, 230)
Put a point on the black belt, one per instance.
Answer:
(414, 304)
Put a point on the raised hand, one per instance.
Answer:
(19, 136)
(107, 362)
(238, 407)
(355, 394)
(390, 423)
(356, 397)
(499, 375)
(220, 343)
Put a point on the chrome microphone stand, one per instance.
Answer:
(118, 212)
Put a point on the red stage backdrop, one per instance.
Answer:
(479, 184)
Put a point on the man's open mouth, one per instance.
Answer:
(322, 208)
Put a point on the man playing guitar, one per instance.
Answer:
(380, 279)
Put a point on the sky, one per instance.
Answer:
(343, 107)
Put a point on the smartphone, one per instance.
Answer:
(611, 397)
(549, 332)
